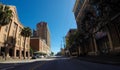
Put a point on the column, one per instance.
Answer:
(24, 53)
(28, 54)
(95, 45)
(20, 53)
(110, 40)
(14, 52)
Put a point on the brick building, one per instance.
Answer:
(43, 32)
(41, 36)
(39, 45)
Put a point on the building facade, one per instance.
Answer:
(98, 35)
(43, 32)
(39, 45)
(41, 36)
(11, 41)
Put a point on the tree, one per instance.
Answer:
(5, 19)
(26, 32)
(5, 15)
(52, 53)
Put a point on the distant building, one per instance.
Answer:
(71, 32)
(41, 34)
(39, 45)
(34, 33)
(10, 37)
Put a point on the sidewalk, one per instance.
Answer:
(19, 60)
(114, 60)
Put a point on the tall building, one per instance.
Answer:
(79, 10)
(103, 36)
(40, 41)
(43, 32)
(10, 37)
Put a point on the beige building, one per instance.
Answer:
(11, 39)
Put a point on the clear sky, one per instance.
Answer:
(57, 13)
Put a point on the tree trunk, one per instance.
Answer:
(24, 48)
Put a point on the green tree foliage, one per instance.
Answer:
(52, 53)
(5, 15)
(26, 32)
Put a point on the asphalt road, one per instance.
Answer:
(59, 64)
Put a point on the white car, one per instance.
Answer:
(40, 56)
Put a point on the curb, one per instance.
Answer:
(99, 61)
(20, 61)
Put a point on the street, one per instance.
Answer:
(58, 64)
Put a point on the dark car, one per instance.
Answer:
(34, 57)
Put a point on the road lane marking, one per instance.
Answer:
(39, 65)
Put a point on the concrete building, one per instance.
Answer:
(11, 40)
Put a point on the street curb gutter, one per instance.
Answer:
(98, 61)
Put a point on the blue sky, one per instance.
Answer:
(57, 13)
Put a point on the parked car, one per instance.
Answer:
(40, 56)
(34, 57)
